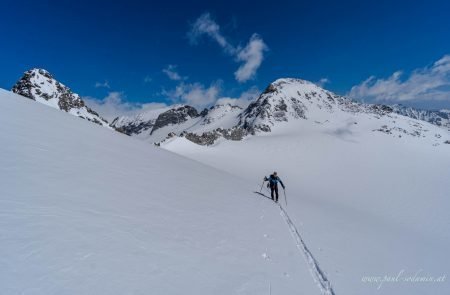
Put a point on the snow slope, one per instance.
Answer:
(84, 210)
(219, 116)
(371, 202)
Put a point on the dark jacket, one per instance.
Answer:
(273, 180)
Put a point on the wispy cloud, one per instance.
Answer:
(323, 81)
(200, 96)
(205, 25)
(243, 100)
(250, 57)
(115, 105)
(147, 79)
(424, 84)
(172, 73)
(102, 85)
(194, 94)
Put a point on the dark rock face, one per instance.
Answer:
(270, 107)
(257, 109)
(39, 84)
(208, 138)
(68, 101)
(381, 109)
(24, 85)
(270, 89)
(204, 113)
(175, 116)
(66, 98)
(133, 128)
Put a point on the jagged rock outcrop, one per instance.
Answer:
(39, 85)
(439, 118)
(209, 138)
(132, 128)
(175, 116)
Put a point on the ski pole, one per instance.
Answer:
(261, 186)
(285, 199)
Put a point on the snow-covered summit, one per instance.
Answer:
(289, 99)
(283, 100)
(41, 86)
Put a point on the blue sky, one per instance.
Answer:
(139, 52)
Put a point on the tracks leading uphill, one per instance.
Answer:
(317, 273)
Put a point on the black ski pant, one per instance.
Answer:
(274, 188)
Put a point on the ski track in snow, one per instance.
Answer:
(316, 272)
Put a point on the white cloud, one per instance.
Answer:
(206, 25)
(425, 84)
(147, 79)
(322, 82)
(114, 105)
(243, 100)
(200, 96)
(195, 94)
(102, 85)
(251, 56)
(171, 72)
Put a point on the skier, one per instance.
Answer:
(273, 180)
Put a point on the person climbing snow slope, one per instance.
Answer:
(273, 180)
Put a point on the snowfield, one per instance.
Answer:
(85, 210)
(372, 207)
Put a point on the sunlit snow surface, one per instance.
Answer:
(86, 210)
(367, 203)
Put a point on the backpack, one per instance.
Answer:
(272, 181)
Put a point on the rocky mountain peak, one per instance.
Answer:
(286, 99)
(40, 85)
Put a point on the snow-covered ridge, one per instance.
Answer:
(155, 125)
(285, 102)
(39, 85)
(132, 125)
(438, 118)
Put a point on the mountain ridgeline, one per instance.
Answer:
(285, 103)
